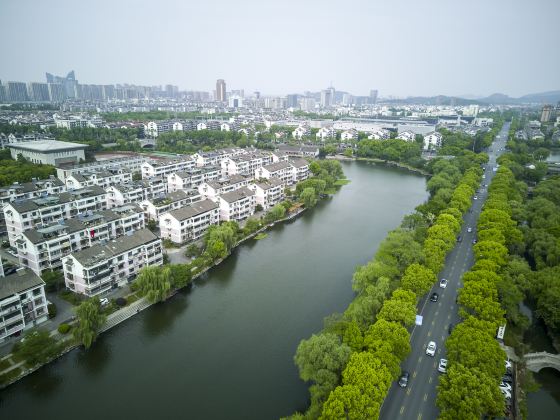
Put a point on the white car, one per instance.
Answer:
(507, 394)
(443, 283)
(442, 367)
(506, 386)
(508, 365)
(431, 349)
(469, 229)
(104, 301)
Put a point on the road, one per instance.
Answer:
(418, 400)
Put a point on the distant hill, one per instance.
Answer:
(551, 97)
(434, 100)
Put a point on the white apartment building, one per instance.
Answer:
(103, 178)
(155, 207)
(300, 169)
(153, 187)
(301, 132)
(300, 151)
(155, 128)
(379, 134)
(432, 140)
(192, 178)
(246, 164)
(325, 133)
(131, 162)
(268, 192)
(43, 248)
(237, 205)
(348, 135)
(163, 168)
(37, 212)
(27, 190)
(280, 170)
(119, 195)
(279, 157)
(407, 136)
(96, 270)
(190, 222)
(23, 303)
(213, 189)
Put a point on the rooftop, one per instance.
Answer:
(194, 209)
(18, 282)
(47, 146)
(237, 195)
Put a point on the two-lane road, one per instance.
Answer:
(418, 400)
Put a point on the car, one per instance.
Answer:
(434, 297)
(450, 328)
(469, 229)
(442, 367)
(459, 238)
(508, 365)
(104, 301)
(505, 385)
(508, 379)
(431, 349)
(9, 270)
(474, 241)
(443, 283)
(476, 197)
(403, 380)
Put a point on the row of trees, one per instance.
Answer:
(395, 150)
(354, 359)
(476, 361)
(21, 170)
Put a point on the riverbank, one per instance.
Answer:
(123, 314)
(381, 161)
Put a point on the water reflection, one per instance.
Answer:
(162, 316)
(46, 384)
(95, 360)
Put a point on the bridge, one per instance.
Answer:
(537, 361)
(147, 143)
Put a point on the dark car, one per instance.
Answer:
(450, 328)
(403, 380)
(434, 297)
(459, 238)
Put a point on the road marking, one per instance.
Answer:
(430, 380)
(437, 312)
(408, 391)
(442, 338)
(439, 304)
(449, 316)
(425, 399)
(434, 322)
(452, 307)
(402, 409)
(414, 373)
(430, 333)
(419, 416)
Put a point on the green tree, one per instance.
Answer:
(154, 282)
(37, 347)
(90, 320)
(54, 280)
(418, 279)
(308, 197)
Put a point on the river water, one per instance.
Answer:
(224, 350)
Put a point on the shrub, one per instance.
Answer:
(51, 307)
(120, 301)
(64, 328)
(258, 207)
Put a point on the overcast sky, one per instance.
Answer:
(400, 47)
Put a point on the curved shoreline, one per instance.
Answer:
(384, 162)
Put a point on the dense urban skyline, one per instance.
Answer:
(401, 48)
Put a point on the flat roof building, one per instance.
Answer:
(49, 152)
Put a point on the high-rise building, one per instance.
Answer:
(3, 97)
(38, 92)
(326, 98)
(547, 113)
(108, 92)
(347, 99)
(221, 90)
(307, 104)
(238, 92)
(17, 92)
(235, 101)
(56, 92)
(292, 101)
(257, 95)
(69, 83)
(373, 96)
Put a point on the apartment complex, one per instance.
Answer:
(190, 222)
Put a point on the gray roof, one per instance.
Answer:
(55, 199)
(267, 184)
(18, 282)
(47, 146)
(236, 195)
(273, 167)
(98, 253)
(194, 209)
(298, 163)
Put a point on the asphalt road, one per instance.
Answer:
(418, 400)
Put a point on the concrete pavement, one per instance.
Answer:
(418, 400)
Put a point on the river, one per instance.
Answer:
(224, 350)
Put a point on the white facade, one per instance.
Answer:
(432, 140)
(268, 192)
(325, 133)
(155, 207)
(349, 135)
(49, 152)
(192, 178)
(100, 268)
(190, 222)
(407, 136)
(379, 134)
(166, 167)
(237, 205)
(213, 189)
(301, 132)
(282, 170)
(102, 178)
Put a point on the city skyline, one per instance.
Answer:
(402, 50)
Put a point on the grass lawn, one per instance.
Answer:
(261, 235)
(341, 182)
(7, 377)
(4, 364)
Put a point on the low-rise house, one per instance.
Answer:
(348, 135)
(379, 134)
(192, 178)
(115, 263)
(268, 192)
(237, 205)
(23, 303)
(155, 128)
(280, 170)
(300, 151)
(165, 167)
(153, 187)
(325, 133)
(43, 248)
(189, 223)
(155, 207)
(213, 189)
(245, 164)
(37, 212)
(432, 140)
(278, 156)
(131, 162)
(407, 136)
(301, 131)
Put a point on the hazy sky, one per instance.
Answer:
(400, 47)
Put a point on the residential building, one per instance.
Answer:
(155, 207)
(43, 248)
(268, 192)
(27, 190)
(32, 213)
(131, 162)
(213, 189)
(300, 151)
(349, 135)
(547, 113)
(245, 164)
(221, 90)
(300, 169)
(121, 194)
(50, 152)
(432, 140)
(102, 178)
(23, 303)
(192, 178)
(16, 92)
(98, 269)
(237, 205)
(301, 131)
(38, 92)
(189, 223)
(325, 133)
(155, 128)
(379, 134)
(283, 171)
(166, 167)
(407, 136)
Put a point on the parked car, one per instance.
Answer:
(434, 297)
(505, 385)
(508, 365)
(507, 394)
(469, 229)
(431, 349)
(403, 380)
(442, 367)
(476, 197)
(104, 301)
(474, 241)
(443, 283)
(459, 238)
